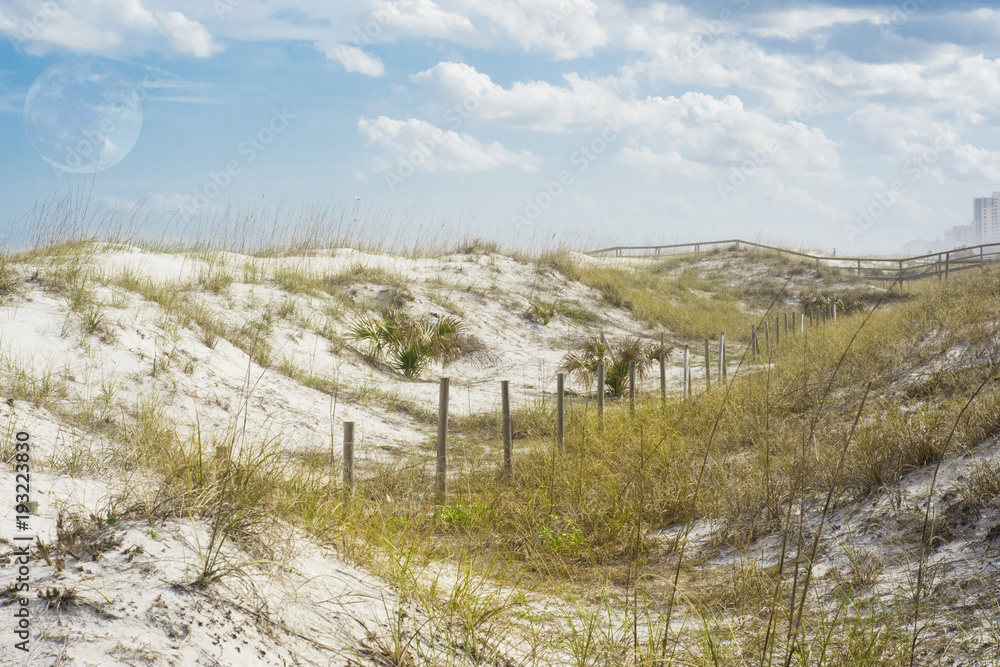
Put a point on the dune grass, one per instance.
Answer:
(841, 413)
(741, 457)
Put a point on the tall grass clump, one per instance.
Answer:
(242, 488)
(685, 305)
(405, 344)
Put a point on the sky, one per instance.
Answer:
(853, 126)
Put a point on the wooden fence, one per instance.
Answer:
(939, 264)
(787, 325)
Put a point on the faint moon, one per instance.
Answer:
(83, 116)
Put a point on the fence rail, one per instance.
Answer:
(875, 268)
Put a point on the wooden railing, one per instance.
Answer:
(939, 264)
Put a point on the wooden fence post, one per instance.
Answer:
(722, 357)
(802, 322)
(834, 312)
(686, 387)
(767, 337)
(777, 330)
(508, 434)
(441, 481)
(708, 367)
(753, 339)
(600, 392)
(560, 409)
(663, 372)
(349, 455)
(631, 386)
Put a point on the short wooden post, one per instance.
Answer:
(777, 330)
(687, 373)
(600, 392)
(753, 339)
(508, 434)
(349, 455)
(802, 322)
(441, 479)
(631, 386)
(767, 337)
(560, 409)
(663, 372)
(834, 308)
(947, 265)
(722, 357)
(786, 323)
(708, 366)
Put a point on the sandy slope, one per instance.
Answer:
(127, 597)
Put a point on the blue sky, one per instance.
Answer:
(854, 125)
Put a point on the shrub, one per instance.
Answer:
(408, 345)
(616, 361)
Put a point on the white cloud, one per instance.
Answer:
(536, 104)
(892, 132)
(423, 18)
(977, 162)
(567, 29)
(793, 24)
(353, 59)
(699, 127)
(104, 27)
(563, 29)
(422, 145)
(674, 47)
(670, 161)
(187, 36)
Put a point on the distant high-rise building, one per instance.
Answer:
(961, 235)
(986, 218)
